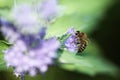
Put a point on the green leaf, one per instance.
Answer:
(6, 3)
(82, 14)
(62, 39)
(3, 46)
(88, 62)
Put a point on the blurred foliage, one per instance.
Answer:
(3, 46)
(6, 3)
(82, 14)
(55, 73)
(88, 62)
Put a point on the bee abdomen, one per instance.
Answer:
(82, 46)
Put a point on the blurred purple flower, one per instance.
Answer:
(30, 18)
(26, 19)
(30, 52)
(49, 9)
(33, 40)
(9, 31)
(32, 60)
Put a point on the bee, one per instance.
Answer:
(81, 41)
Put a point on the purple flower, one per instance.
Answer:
(71, 31)
(33, 40)
(26, 19)
(30, 52)
(34, 60)
(31, 18)
(9, 31)
(71, 43)
(49, 9)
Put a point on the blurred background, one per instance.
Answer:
(104, 31)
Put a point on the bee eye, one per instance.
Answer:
(76, 33)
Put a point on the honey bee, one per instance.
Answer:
(82, 41)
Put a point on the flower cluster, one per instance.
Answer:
(71, 42)
(9, 31)
(49, 9)
(26, 15)
(30, 60)
(30, 52)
